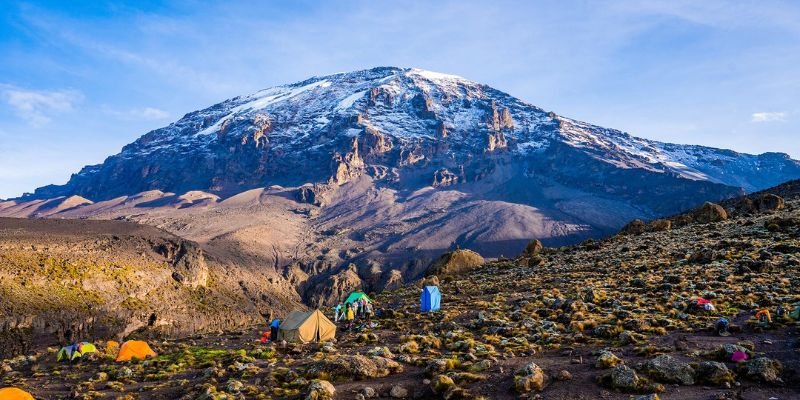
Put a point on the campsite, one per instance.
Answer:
(547, 324)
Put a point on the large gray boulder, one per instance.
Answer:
(668, 369)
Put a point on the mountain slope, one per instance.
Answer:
(386, 119)
(386, 168)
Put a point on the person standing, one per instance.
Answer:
(350, 318)
(368, 313)
(338, 312)
(274, 327)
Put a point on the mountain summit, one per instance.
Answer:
(383, 121)
(363, 178)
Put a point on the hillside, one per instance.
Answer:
(602, 319)
(111, 278)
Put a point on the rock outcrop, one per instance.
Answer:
(454, 262)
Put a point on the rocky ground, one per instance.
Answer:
(609, 319)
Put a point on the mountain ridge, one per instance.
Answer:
(362, 179)
(341, 102)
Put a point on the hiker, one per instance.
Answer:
(764, 319)
(273, 329)
(780, 312)
(363, 308)
(722, 327)
(368, 313)
(338, 311)
(350, 318)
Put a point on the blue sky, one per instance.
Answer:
(80, 79)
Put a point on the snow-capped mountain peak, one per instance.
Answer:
(393, 121)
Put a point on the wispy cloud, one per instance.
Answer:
(151, 113)
(38, 106)
(768, 117)
(141, 114)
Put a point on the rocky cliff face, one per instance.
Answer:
(62, 278)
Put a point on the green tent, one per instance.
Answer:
(86, 348)
(355, 296)
(68, 353)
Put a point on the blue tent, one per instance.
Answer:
(431, 299)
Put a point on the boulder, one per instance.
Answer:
(624, 378)
(635, 227)
(668, 369)
(533, 248)
(659, 225)
(355, 367)
(769, 202)
(320, 390)
(455, 262)
(715, 373)
(763, 369)
(529, 378)
(607, 359)
(725, 352)
(710, 212)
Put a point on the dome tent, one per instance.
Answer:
(135, 349)
(300, 326)
(86, 348)
(68, 353)
(430, 299)
(356, 296)
(12, 393)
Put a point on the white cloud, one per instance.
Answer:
(768, 116)
(38, 106)
(150, 113)
(141, 114)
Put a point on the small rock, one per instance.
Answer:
(369, 392)
(398, 392)
(441, 383)
(564, 375)
(234, 386)
(607, 359)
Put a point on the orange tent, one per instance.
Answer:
(135, 349)
(11, 393)
(765, 314)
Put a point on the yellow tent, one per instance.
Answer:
(135, 349)
(300, 326)
(11, 393)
